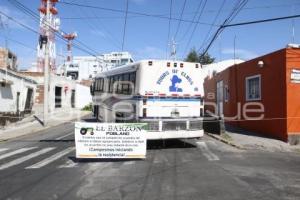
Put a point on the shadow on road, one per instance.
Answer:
(151, 145)
(89, 160)
(168, 144)
(56, 140)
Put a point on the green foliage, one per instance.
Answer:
(192, 56)
(196, 57)
(87, 107)
(206, 59)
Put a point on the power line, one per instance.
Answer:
(34, 31)
(193, 21)
(131, 12)
(20, 43)
(195, 27)
(261, 21)
(18, 22)
(125, 23)
(114, 40)
(95, 26)
(215, 19)
(27, 11)
(237, 8)
(169, 27)
(24, 45)
(188, 13)
(179, 22)
(36, 17)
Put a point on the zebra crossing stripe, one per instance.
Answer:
(25, 158)
(68, 164)
(51, 158)
(1, 150)
(129, 162)
(206, 152)
(64, 136)
(22, 150)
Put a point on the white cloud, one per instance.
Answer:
(149, 52)
(240, 53)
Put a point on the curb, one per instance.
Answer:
(36, 130)
(225, 141)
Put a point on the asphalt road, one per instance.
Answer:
(43, 166)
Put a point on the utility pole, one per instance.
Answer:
(46, 66)
(3, 26)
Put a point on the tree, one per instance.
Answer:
(205, 59)
(193, 56)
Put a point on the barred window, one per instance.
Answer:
(253, 88)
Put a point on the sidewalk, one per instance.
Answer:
(248, 140)
(33, 123)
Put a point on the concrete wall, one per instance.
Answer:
(83, 96)
(8, 60)
(67, 87)
(279, 96)
(64, 83)
(293, 95)
(8, 92)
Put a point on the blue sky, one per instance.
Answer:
(146, 37)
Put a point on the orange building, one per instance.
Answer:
(260, 95)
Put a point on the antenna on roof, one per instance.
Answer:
(293, 26)
(173, 49)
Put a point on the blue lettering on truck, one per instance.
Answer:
(176, 80)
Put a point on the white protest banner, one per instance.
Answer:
(110, 140)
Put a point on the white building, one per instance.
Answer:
(16, 95)
(61, 94)
(64, 94)
(83, 96)
(210, 69)
(86, 67)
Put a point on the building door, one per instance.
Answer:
(73, 99)
(220, 97)
(18, 103)
(29, 101)
(58, 97)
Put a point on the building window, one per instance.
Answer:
(253, 88)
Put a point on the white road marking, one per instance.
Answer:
(51, 158)
(25, 158)
(61, 137)
(129, 162)
(16, 152)
(68, 164)
(1, 150)
(206, 152)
